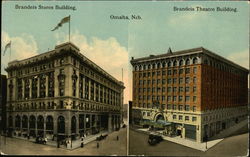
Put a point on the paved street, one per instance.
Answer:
(231, 146)
(110, 146)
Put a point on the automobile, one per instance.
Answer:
(40, 140)
(154, 139)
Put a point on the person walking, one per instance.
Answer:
(117, 138)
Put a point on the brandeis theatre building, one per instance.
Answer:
(61, 94)
(196, 91)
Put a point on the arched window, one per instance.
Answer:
(195, 60)
(18, 121)
(144, 67)
(175, 63)
(32, 121)
(49, 123)
(181, 63)
(163, 64)
(40, 122)
(187, 62)
(73, 124)
(25, 121)
(169, 64)
(149, 66)
(158, 65)
(153, 66)
(61, 124)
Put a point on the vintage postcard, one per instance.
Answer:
(102, 78)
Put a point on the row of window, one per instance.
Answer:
(180, 117)
(170, 107)
(169, 81)
(169, 72)
(169, 98)
(163, 89)
(169, 64)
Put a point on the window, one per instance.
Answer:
(158, 73)
(169, 89)
(153, 73)
(174, 107)
(174, 116)
(158, 89)
(195, 70)
(175, 71)
(174, 80)
(180, 117)
(163, 81)
(186, 89)
(187, 79)
(186, 107)
(144, 82)
(194, 89)
(163, 72)
(180, 98)
(153, 89)
(174, 89)
(194, 80)
(148, 97)
(180, 107)
(187, 70)
(149, 81)
(194, 98)
(144, 74)
(148, 89)
(194, 108)
(163, 89)
(149, 74)
(186, 118)
(194, 119)
(169, 106)
(169, 98)
(153, 81)
(181, 71)
(169, 80)
(180, 89)
(187, 98)
(163, 98)
(174, 98)
(180, 80)
(169, 72)
(181, 62)
(158, 81)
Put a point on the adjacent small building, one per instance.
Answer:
(195, 91)
(61, 94)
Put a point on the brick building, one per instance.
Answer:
(196, 90)
(61, 94)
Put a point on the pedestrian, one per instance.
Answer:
(82, 145)
(117, 138)
(97, 145)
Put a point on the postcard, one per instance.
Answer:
(153, 78)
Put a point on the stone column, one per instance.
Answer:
(46, 85)
(94, 91)
(23, 89)
(90, 119)
(83, 86)
(77, 83)
(99, 92)
(89, 89)
(56, 83)
(54, 125)
(30, 92)
(38, 86)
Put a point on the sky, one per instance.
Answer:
(111, 43)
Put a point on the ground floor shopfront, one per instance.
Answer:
(61, 125)
(198, 127)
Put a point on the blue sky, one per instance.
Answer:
(111, 43)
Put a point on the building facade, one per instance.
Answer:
(61, 94)
(198, 91)
(3, 101)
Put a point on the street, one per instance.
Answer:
(231, 146)
(109, 146)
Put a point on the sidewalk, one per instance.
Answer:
(197, 145)
(75, 144)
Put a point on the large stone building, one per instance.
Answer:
(196, 90)
(61, 94)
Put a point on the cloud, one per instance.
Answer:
(22, 47)
(241, 58)
(109, 54)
